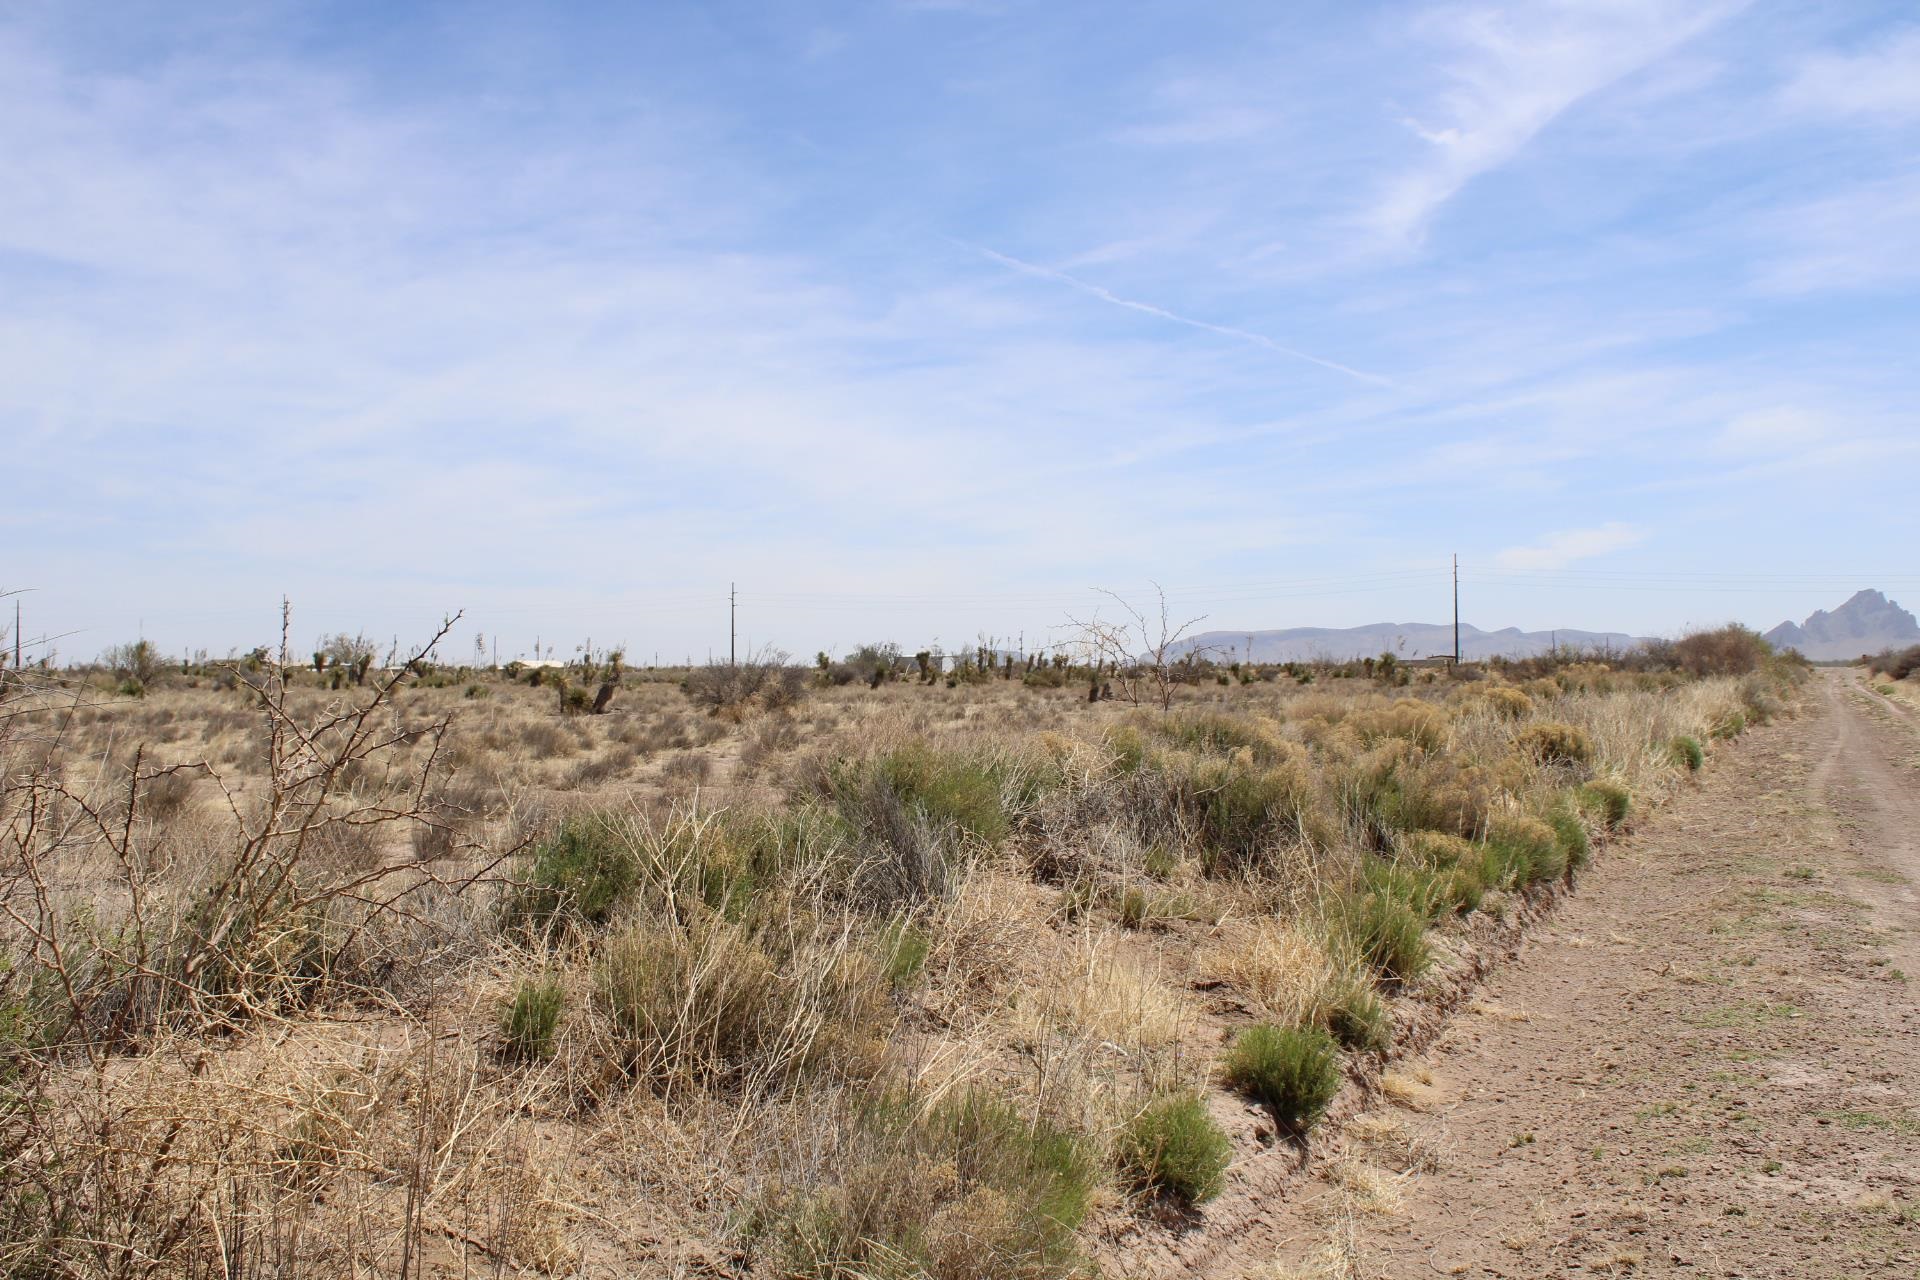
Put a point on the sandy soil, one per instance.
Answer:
(1702, 1063)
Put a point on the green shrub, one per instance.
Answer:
(1553, 743)
(1732, 725)
(1294, 1071)
(1129, 748)
(735, 863)
(1571, 833)
(1133, 907)
(1175, 1149)
(903, 952)
(1688, 752)
(1424, 891)
(1221, 734)
(1531, 848)
(578, 876)
(1382, 931)
(947, 787)
(1236, 808)
(1358, 1018)
(1466, 886)
(1161, 861)
(1609, 799)
(1503, 866)
(530, 1022)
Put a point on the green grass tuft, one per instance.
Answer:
(530, 1022)
(1610, 799)
(903, 953)
(966, 1188)
(1381, 930)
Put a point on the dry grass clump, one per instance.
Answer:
(1286, 970)
(1107, 992)
(720, 1006)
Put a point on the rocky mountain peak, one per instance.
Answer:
(1867, 623)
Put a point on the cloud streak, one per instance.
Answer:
(1558, 550)
(1246, 336)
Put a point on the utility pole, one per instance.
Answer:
(733, 609)
(16, 633)
(1456, 608)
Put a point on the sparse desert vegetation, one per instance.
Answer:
(414, 970)
(1895, 664)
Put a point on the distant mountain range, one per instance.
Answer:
(1867, 623)
(1402, 639)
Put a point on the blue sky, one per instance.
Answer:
(918, 320)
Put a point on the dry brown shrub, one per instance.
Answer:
(1507, 701)
(549, 739)
(1420, 723)
(1731, 650)
(1436, 849)
(688, 766)
(1551, 742)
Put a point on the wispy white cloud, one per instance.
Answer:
(1510, 72)
(1865, 236)
(1558, 550)
(1771, 431)
(1199, 127)
(1880, 81)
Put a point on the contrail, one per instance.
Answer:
(1147, 308)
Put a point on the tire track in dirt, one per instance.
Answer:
(1703, 1063)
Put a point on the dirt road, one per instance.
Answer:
(1704, 1063)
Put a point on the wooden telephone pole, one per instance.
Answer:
(1456, 608)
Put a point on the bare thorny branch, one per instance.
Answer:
(271, 924)
(1135, 653)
